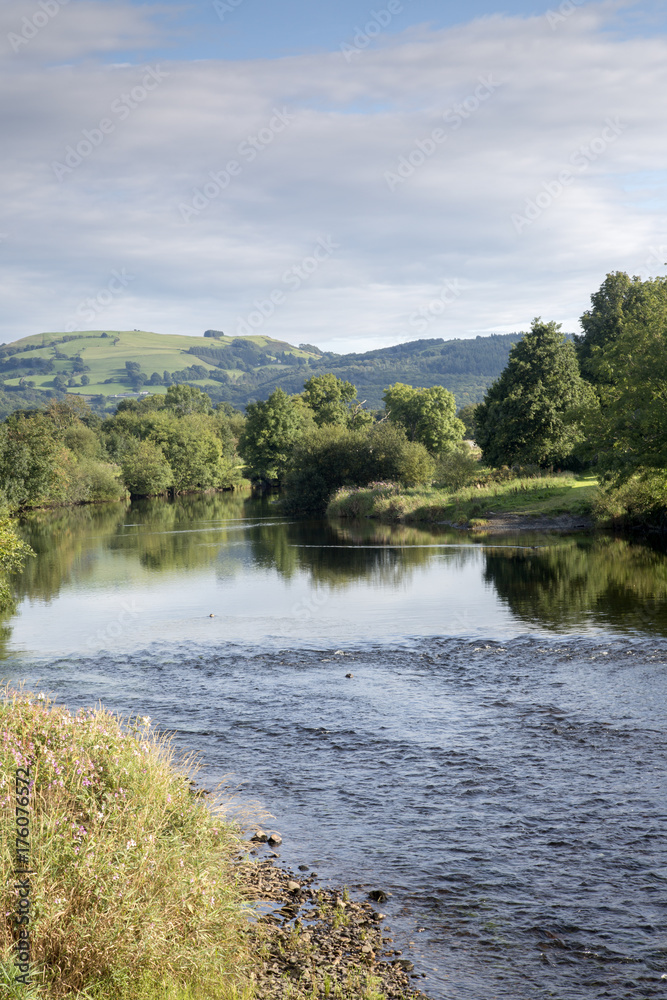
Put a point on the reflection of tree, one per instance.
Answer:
(182, 534)
(186, 533)
(338, 554)
(64, 540)
(609, 581)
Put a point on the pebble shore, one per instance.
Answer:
(309, 937)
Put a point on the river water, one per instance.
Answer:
(496, 762)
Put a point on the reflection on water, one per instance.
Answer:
(272, 577)
(500, 773)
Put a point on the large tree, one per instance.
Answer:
(533, 413)
(427, 415)
(620, 301)
(630, 429)
(271, 429)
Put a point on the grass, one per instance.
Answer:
(546, 496)
(136, 891)
(135, 894)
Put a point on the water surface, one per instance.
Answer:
(497, 761)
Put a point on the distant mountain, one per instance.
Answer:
(105, 365)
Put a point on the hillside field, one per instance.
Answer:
(106, 365)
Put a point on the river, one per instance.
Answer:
(496, 762)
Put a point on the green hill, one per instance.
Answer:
(104, 365)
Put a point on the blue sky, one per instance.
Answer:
(352, 175)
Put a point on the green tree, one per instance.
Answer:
(271, 430)
(329, 397)
(427, 415)
(186, 399)
(620, 300)
(29, 455)
(629, 430)
(146, 471)
(533, 413)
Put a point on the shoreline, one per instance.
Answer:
(310, 936)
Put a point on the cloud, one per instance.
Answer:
(216, 178)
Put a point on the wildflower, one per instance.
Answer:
(131, 843)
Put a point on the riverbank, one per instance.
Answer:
(559, 502)
(136, 887)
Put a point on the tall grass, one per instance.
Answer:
(548, 494)
(135, 893)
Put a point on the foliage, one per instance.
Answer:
(13, 553)
(620, 302)
(457, 467)
(133, 876)
(534, 412)
(427, 415)
(467, 417)
(628, 431)
(29, 454)
(332, 456)
(272, 429)
(329, 398)
(640, 500)
(146, 471)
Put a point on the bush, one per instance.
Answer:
(457, 467)
(640, 501)
(332, 456)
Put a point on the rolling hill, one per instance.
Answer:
(106, 365)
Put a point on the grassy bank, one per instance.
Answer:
(141, 890)
(545, 497)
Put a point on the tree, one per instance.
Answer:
(271, 430)
(185, 399)
(29, 455)
(146, 471)
(620, 300)
(629, 429)
(533, 413)
(427, 415)
(329, 397)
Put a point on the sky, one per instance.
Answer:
(350, 175)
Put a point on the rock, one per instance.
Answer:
(403, 963)
(350, 676)
(259, 837)
(303, 868)
(379, 895)
(211, 616)
(293, 886)
(275, 839)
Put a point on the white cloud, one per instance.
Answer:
(323, 174)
